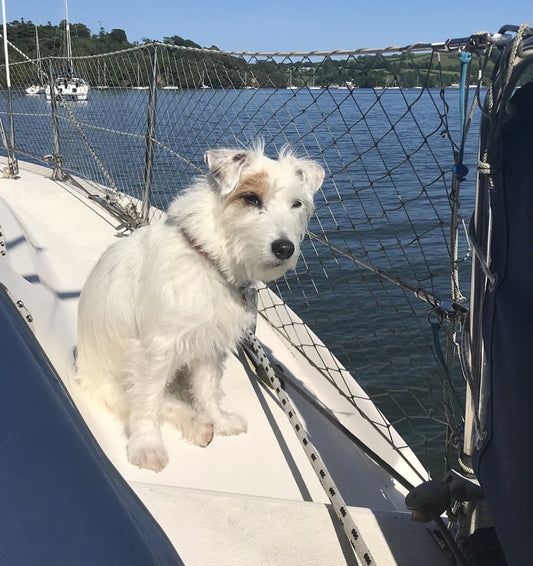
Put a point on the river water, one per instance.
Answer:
(388, 156)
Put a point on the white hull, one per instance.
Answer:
(71, 89)
(35, 90)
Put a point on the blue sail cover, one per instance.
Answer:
(504, 464)
(61, 500)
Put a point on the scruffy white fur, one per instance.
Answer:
(163, 305)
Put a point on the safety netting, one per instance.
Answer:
(384, 272)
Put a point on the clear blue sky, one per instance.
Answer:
(283, 25)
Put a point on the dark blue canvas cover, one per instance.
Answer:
(61, 500)
(504, 464)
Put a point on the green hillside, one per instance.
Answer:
(370, 71)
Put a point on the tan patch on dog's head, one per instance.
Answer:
(255, 184)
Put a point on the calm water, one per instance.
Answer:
(387, 156)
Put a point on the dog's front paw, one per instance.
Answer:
(229, 424)
(199, 431)
(148, 455)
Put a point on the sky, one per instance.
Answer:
(283, 25)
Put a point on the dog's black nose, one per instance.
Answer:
(282, 249)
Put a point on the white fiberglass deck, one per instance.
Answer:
(250, 499)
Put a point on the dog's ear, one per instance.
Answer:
(225, 166)
(311, 174)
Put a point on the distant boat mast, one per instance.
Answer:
(37, 47)
(13, 167)
(69, 44)
(38, 54)
(6, 52)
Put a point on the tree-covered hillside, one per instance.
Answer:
(52, 39)
(366, 71)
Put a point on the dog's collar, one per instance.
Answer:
(246, 291)
(198, 248)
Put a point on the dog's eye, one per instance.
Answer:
(253, 200)
(297, 204)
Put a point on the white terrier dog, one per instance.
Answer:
(165, 304)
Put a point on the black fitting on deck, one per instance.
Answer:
(433, 497)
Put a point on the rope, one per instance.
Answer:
(439, 46)
(339, 505)
(4, 139)
(10, 151)
(444, 308)
(460, 170)
(90, 148)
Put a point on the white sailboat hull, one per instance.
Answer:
(35, 90)
(68, 89)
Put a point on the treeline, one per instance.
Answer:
(367, 71)
(52, 39)
(223, 71)
(405, 70)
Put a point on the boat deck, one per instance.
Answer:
(248, 499)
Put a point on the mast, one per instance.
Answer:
(12, 160)
(38, 55)
(69, 45)
(37, 47)
(6, 53)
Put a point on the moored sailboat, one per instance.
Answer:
(67, 84)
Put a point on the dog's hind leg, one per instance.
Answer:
(106, 389)
(205, 380)
(148, 374)
(98, 372)
(195, 427)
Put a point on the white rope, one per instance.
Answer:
(90, 148)
(339, 505)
